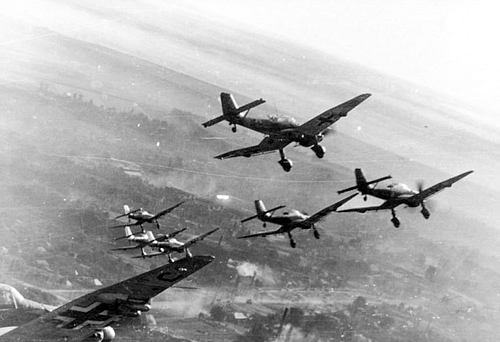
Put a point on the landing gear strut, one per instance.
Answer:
(425, 212)
(292, 241)
(286, 164)
(319, 150)
(395, 220)
(316, 233)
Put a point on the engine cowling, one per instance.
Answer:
(105, 334)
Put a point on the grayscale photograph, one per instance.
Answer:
(249, 171)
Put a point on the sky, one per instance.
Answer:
(450, 46)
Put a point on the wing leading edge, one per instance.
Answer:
(324, 212)
(79, 319)
(267, 145)
(324, 120)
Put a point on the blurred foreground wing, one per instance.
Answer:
(81, 318)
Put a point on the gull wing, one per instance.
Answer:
(166, 211)
(387, 205)
(324, 212)
(422, 195)
(324, 120)
(81, 318)
(267, 145)
(126, 248)
(263, 234)
(199, 238)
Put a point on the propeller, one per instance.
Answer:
(329, 131)
(429, 204)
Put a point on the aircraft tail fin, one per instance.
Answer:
(229, 105)
(260, 208)
(361, 183)
(360, 179)
(128, 231)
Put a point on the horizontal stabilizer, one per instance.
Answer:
(379, 180)
(264, 213)
(213, 121)
(347, 189)
(250, 105)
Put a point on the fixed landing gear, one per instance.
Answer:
(234, 129)
(365, 197)
(425, 212)
(319, 150)
(316, 233)
(286, 164)
(292, 241)
(395, 220)
(264, 225)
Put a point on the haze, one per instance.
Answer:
(449, 46)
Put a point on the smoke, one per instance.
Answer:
(290, 333)
(183, 302)
(247, 269)
(264, 274)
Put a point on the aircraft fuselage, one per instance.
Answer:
(264, 126)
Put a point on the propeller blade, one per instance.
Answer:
(329, 131)
(420, 186)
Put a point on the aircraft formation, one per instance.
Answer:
(281, 133)
(93, 315)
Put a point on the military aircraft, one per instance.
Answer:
(234, 114)
(397, 194)
(91, 316)
(282, 133)
(143, 239)
(292, 220)
(169, 246)
(142, 216)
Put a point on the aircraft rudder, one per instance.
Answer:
(260, 208)
(360, 178)
(229, 105)
(128, 231)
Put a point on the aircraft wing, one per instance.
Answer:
(387, 205)
(324, 120)
(126, 248)
(422, 195)
(166, 211)
(83, 317)
(324, 212)
(263, 234)
(268, 144)
(150, 255)
(199, 238)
